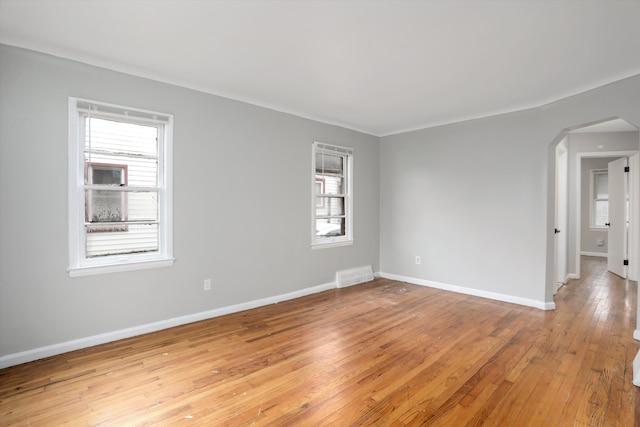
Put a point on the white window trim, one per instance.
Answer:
(79, 264)
(592, 201)
(347, 239)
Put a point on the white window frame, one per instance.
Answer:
(79, 263)
(594, 200)
(334, 241)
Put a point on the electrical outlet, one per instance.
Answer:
(417, 259)
(207, 284)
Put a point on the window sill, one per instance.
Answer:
(315, 246)
(591, 228)
(114, 268)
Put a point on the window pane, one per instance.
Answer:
(104, 240)
(601, 212)
(329, 163)
(120, 205)
(119, 137)
(330, 227)
(142, 206)
(105, 206)
(330, 184)
(330, 206)
(113, 176)
(601, 185)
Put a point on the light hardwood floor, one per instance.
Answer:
(384, 353)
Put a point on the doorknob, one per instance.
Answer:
(608, 224)
(556, 231)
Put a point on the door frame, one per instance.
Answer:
(578, 196)
(561, 214)
(575, 220)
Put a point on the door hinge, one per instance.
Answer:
(625, 262)
(626, 168)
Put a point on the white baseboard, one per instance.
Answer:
(52, 350)
(598, 254)
(474, 292)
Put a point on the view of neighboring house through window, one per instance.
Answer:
(600, 198)
(332, 206)
(120, 198)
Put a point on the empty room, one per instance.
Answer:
(319, 213)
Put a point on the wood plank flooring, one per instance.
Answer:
(384, 353)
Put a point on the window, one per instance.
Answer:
(599, 198)
(332, 195)
(119, 188)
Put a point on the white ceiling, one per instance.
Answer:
(377, 66)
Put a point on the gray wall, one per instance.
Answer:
(242, 179)
(581, 145)
(476, 199)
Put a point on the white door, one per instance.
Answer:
(561, 235)
(618, 223)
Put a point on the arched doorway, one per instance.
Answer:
(589, 140)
